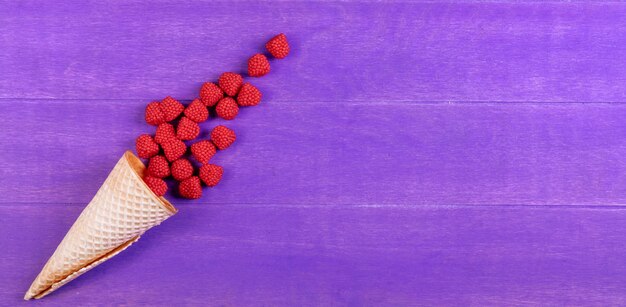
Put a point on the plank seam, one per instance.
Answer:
(346, 102)
(617, 206)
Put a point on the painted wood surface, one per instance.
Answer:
(343, 51)
(341, 153)
(340, 255)
(452, 153)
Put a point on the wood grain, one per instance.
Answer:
(308, 154)
(343, 51)
(446, 154)
(311, 256)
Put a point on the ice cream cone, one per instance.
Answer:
(120, 212)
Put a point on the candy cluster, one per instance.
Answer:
(169, 155)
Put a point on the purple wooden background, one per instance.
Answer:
(431, 153)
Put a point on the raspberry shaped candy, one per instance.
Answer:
(278, 46)
(190, 188)
(187, 129)
(154, 115)
(182, 169)
(157, 185)
(146, 147)
(258, 65)
(203, 151)
(171, 108)
(222, 137)
(158, 167)
(197, 111)
(174, 149)
(249, 95)
(210, 94)
(230, 83)
(211, 174)
(164, 133)
(227, 108)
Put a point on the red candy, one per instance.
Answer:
(222, 137)
(171, 108)
(174, 149)
(227, 108)
(187, 129)
(203, 151)
(157, 185)
(278, 46)
(158, 167)
(210, 94)
(146, 147)
(211, 174)
(164, 133)
(197, 111)
(154, 115)
(258, 65)
(249, 95)
(190, 188)
(230, 83)
(226, 95)
(182, 169)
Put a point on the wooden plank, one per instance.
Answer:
(342, 51)
(313, 255)
(333, 153)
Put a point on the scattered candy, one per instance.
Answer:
(230, 83)
(157, 185)
(278, 46)
(146, 147)
(158, 167)
(197, 111)
(187, 129)
(203, 151)
(174, 149)
(249, 95)
(258, 65)
(182, 169)
(154, 115)
(190, 188)
(226, 96)
(211, 174)
(171, 108)
(164, 133)
(227, 108)
(210, 94)
(222, 137)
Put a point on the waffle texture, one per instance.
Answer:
(121, 211)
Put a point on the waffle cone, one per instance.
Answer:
(120, 212)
